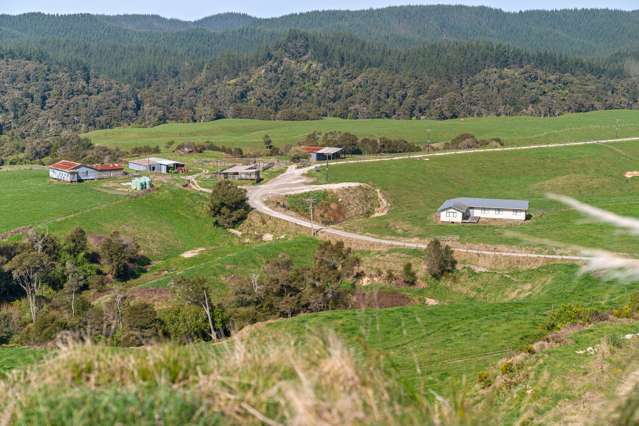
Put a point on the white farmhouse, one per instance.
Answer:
(470, 210)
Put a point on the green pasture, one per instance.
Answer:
(591, 173)
(165, 223)
(226, 261)
(248, 134)
(27, 198)
(437, 346)
(12, 357)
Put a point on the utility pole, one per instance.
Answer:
(310, 202)
(617, 128)
(327, 157)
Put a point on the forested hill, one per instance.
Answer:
(82, 72)
(587, 32)
(308, 76)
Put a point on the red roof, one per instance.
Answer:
(65, 166)
(107, 167)
(311, 149)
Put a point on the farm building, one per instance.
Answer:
(70, 171)
(323, 153)
(242, 172)
(156, 165)
(470, 210)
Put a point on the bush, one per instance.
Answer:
(140, 324)
(630, 309)
(46, 328)
(569, 314)
(409, 277)
(8, 326)
(228, 205)
(439, 259)
(186, 323)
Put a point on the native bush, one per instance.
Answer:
(439, 259)
(228, 205)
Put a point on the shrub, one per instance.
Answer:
(186, 323)
(46, 327)
(228, 205)
(140, 324)
(569, 314)
(484, 379)
(121, 257)
(8, 326)
(629, 309)
(409, 277)
(439, 259)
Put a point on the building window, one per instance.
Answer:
(484, 211)
(451, 213)
(498, 212)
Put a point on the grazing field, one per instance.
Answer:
(437, 346)
(513, 130)
(225, 260)
(165, 223)
(29, 199)
(12, 357)
(592, 173)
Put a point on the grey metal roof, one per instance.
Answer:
(252, 168)
(329, 150)
(155, 160)
(463, 204)
(164, 161)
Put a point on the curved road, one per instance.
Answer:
(295, 181)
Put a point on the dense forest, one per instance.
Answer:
(403, 62)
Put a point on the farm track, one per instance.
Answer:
(295, 181)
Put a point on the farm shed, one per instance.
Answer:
(323, 153)
(156, 165)
(242, 172)
(70, 171)
(470, 210)
(105, 171)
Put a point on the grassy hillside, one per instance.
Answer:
(403, 353)
(436, 346)
(29, 199)
(591, 173)
(13, 357)
(513, 130)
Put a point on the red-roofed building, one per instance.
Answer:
(70, 171)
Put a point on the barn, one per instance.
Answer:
(471, 210)
(156, 165)
(70, 171)
(323, 153)
(242, 172)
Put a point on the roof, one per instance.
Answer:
(155, 160)
(107, 167)
(251, 168)
(142, 162)
(165, 162)
(463, 204)
(311, 149)
(65, 166)
(328, 150)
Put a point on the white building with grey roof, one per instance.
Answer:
(471, 210)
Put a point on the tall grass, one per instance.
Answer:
(258, 380)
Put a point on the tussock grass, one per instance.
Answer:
(273, 379)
